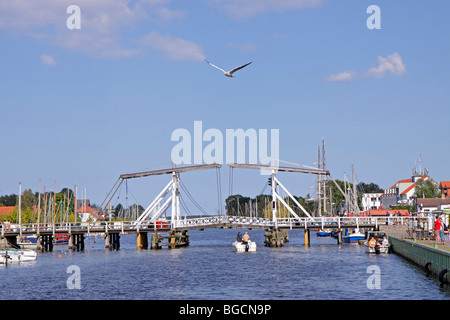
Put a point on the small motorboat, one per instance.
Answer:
(245, 247)
(376, 244)
(354, 237)
(8, 255)
(323, 232)
(27, 242)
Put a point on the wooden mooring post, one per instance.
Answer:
(142, 240)
(175, 239)
(275, 238)
(45, 242)
(339, 236)
(307, 238)
(76, 242)
(112, 241)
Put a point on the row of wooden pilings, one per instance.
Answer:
(75, 242)
(277, 238)
(174, 238)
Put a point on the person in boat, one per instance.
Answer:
(245, 238)
(239, 237)
(385, 242)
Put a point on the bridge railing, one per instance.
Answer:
(207, 221)
(66, 227)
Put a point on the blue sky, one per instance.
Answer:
(80, 107)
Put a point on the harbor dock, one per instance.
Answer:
(427, 253)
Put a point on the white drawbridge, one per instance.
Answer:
(276, 185)
(168, 197)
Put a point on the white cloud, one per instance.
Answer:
(392, 64)
(343, 76)
(102, 22)
(174, 48)
(48, 60)
(249, 8)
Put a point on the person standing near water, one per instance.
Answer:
(437, 230)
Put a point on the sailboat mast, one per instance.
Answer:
(39, 208)
(20, 207)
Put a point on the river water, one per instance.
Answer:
(210, 269)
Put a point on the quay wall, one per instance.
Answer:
(436, 261)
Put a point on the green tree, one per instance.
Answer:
(426, 189)
(27, 200)
(8, 200)
(370, 187)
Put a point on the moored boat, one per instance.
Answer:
(250, 246)
(376, 243)
(17, 255)
(27, 242)
(353, 237)
(61, 238)
(323, 232)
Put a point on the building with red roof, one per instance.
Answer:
(403, 192)
(5, 211)
(445, 189)
(384, 212)
(88, 212)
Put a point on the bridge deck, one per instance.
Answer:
(200, 223)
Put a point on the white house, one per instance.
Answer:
(402, 192)
(427, 205)
(371, 201)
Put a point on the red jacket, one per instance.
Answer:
(437, 225)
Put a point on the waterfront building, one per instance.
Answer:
(445, 189)
(385, 213)
(5, 211)
(88, 213)
(428, 205)
(403, 192)
(371, 201)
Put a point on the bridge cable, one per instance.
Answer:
(230, 182)
(192, 198)
(219, 191)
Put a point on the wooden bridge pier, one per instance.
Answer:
(307, 237)
(45, 242)
(175, 239)
(339, 236)
(142, 240)
(275, 238)
(155, 241)
(112, 241)
(76, 242)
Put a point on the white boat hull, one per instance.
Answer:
(380, 250)
(241, 247)
(8, 256)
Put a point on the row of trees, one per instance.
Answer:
(53, 206)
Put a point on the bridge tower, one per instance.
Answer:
(276, 237)
(152, 217)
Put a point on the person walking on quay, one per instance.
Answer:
(437, 230)
(441, 231)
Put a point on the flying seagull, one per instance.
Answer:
(228, 73)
